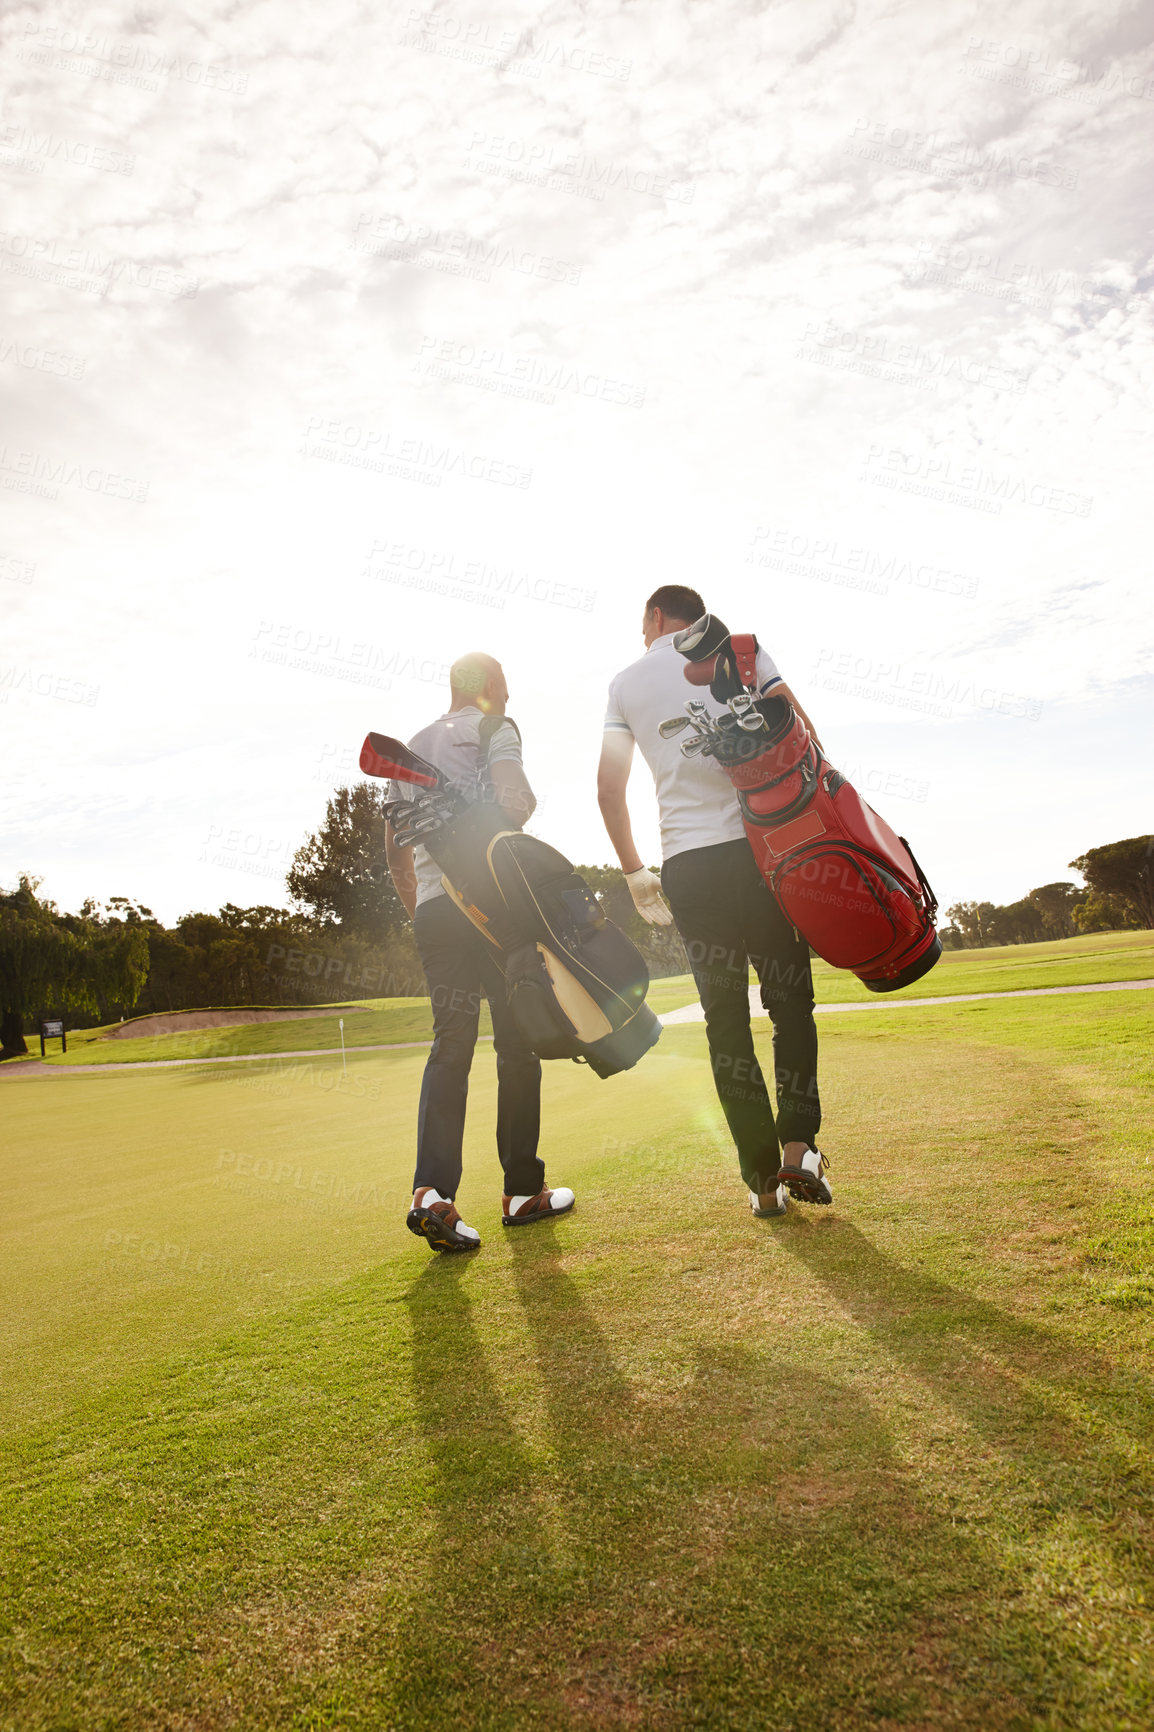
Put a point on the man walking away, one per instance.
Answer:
(479, 750)
(723, 908)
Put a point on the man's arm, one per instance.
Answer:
(612, 777)
(401, 871)
(511, 790)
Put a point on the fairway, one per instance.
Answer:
(269, 1463)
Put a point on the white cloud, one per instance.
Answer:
(880, 276)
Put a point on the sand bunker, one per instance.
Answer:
(175, 1021)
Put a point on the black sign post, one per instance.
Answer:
(53, 1031)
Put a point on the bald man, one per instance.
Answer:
(478, 748)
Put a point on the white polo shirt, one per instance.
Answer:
(695, 798)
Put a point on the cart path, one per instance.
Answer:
(672, 1019)
(694, 1012)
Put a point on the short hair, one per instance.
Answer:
(471, 673)
(677, 601)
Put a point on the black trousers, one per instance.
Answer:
(729, 918)
(460, 971)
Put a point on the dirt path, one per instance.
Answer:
(672, 1019)
(694, 1013)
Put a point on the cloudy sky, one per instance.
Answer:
(340, 340)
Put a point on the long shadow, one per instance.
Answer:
(486, 1544)
(937, 1329)
(1057, 1413)
(715, 1512)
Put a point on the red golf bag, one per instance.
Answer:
(850, 885)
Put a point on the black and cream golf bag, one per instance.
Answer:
(576, 984)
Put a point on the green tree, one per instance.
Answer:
(1056, 905)
(341, 873)
(70, 965)
(1103, 914)
(971, 920)
(1124, 870)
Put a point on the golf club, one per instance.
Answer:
(745, 713)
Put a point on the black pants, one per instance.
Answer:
(729, 918)
(460, 971)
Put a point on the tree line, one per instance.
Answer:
(347, 935)
(1118, 895)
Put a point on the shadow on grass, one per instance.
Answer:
(980, 1360)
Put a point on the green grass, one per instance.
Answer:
(386, 1021)
(1102, 956)
(270, 1464)
(1099, 956)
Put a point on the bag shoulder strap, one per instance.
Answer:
(489, 729)
(744, 647)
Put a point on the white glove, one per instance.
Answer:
(645, 889)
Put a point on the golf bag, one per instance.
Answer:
(848, 882)
(576, 985)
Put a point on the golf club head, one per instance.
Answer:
(674, 725)
(746, 716)
(697, 745)
(381, 755)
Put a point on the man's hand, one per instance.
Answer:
(645, 889)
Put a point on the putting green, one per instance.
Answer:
(269, 1463)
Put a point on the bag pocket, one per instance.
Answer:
(848, 906)
(541, 1022)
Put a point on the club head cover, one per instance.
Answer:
(383, 756)
(709, 657)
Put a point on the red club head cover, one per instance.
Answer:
(382, 756)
